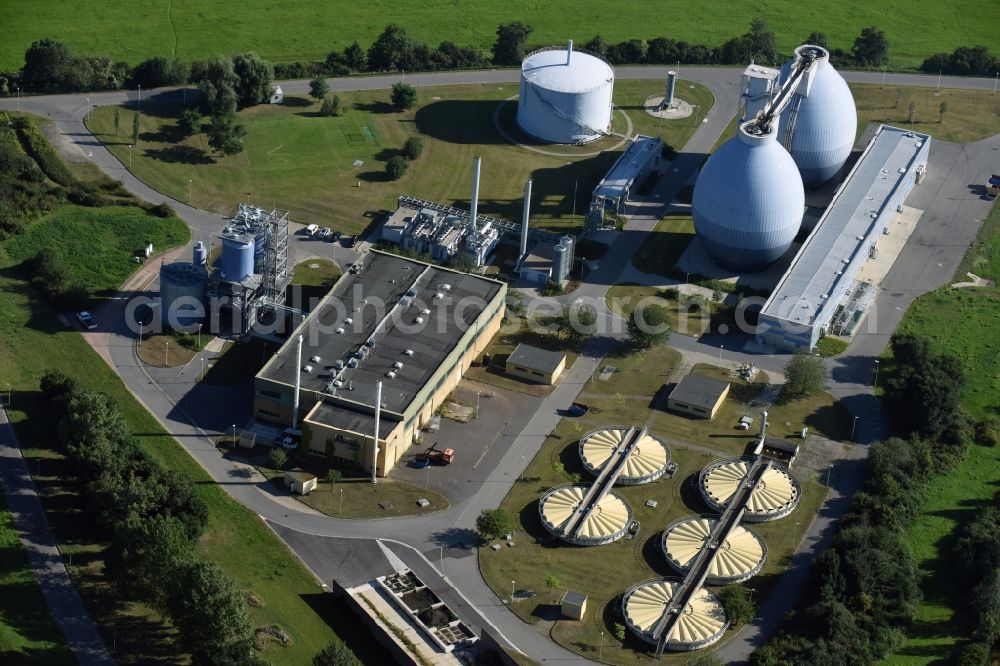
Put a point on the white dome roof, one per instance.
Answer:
(550, 69)
(748, 201)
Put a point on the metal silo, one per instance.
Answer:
(819, 124)
(182, 295)
(748, 200)
(237, 258)
(565, 95)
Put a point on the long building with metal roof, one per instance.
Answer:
(823, 273)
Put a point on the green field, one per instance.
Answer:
(971, 114)
(96, 245)
(605, 572)
(27, 633)
(954, 498)
(32, 340)
(663, 248)
(299, 160)
(302, 30)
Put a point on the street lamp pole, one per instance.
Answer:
(795, 538)
(600, 650)
(8, 395)
(341, 510)
(512, 592)
(828, 470)
(199, 336)
(234, 436)
(883, 76)
(189, 191)
(86, 114)
(19, 97)
(140, 95)
(130, 157)
(875, 382)
(140, 334)
(853, 426)
(166, 353)
(477, 403)
(995, 80)
(721, 347)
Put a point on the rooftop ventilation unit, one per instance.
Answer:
(352, 363)
(419, 320)
(339, 365)
(425, 311)
(438, 296)
(446, 287)
(338, 382)
(408, 352)
(340, 331)
(348, 320)
(397, 365)
(315, 359)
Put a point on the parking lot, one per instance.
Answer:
(479, 444)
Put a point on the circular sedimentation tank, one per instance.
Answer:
(605, 523)
(739, 557)
(748, 200)
(700, 623)
(824, 121)
(565, 96)
(775, 496)
(646, 462)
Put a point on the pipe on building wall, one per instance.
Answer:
(525, 216)
(298, 384)
(474, 212)
(378, 414)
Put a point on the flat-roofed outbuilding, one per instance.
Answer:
(698, 396)
(535, 364)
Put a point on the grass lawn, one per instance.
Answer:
(191, 30)
(830, 346)
(622, 299)
(664, 246)
(354, 496)
(971, 114)
(633, 375)
(28, 635)
(316, 273)
(983, 258)
(605, 572)
(96, 245)
(163, 351)
(301, 161)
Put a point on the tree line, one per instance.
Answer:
(863, 590)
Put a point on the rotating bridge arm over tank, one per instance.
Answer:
(802, 67)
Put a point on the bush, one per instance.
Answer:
(413, 148)
(494, 523)
(160, 71)
(333, 475)
(189, 121)
(648, 326)
(988, 431)
(330, 106)
(277, 457)
(318, 87)
(804, 375)
(395, 167)
(404, 96)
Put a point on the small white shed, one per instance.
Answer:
(300, 483)
(277, 95)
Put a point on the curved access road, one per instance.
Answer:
(326, 544)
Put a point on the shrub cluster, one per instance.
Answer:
(963, 61)
(154, 518)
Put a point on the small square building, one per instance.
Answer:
(535, 365)
(574, 605)
(698, 396)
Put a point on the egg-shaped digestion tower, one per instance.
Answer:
(565, 95)
(748, 200)
(741, 555)
(819, 124)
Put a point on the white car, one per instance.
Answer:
(86, 320)
(312, 229)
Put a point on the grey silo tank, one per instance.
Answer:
(182, 295)
(748, 200)
(237, 258)
(824, 121)
(565, 95)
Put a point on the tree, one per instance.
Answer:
(118, 119)
(333, 475)
(160, 71)
(354, 57)
(226, 135)
(146, 555)
(988, 431)
(277, 457)
(330, 106)
(648, 326)
(871, 47)
(209, 612)
(630, 51)
(135, 127)
(817, 39)
(318, 87)
(577, 321)
(986, 607)
(619, 631)
(393, 50)
(413, 148)
(911, 112)
(804, 375)
(599, 47)
(509, 46)
(494, 523)
(218, 82)
(404, 96)
(761, 42)
(256, 79)
(189, 121)
(336, 654)
(395, 167)
(943, 109)
(735, 600)
(552, 583)
(46, 65)
(94, 432)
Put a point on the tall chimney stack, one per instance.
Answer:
(668, 98)
(569, 51)
(378, 414)
(476, 163)
(298, 383)
(524, 219)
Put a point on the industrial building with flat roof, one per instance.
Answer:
(625, 177)
(812, 291)
(698, 396)
(410, 325)
(535, 364)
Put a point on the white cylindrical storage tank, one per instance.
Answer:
(775, 496)
(823, 121)
(748, 200)
(739, 557)
(182, 295)
(237, 258)
(199, 254)
(646, 462)
(606, 522)
(565, 96)
(699, 624)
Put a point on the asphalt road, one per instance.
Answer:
(927, 261)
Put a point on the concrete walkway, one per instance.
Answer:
(60, 594)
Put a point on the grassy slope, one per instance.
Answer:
(27, 632)
(971, 114)
(303, 162)
(299, 29)
(954, 499)
(32, 340)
